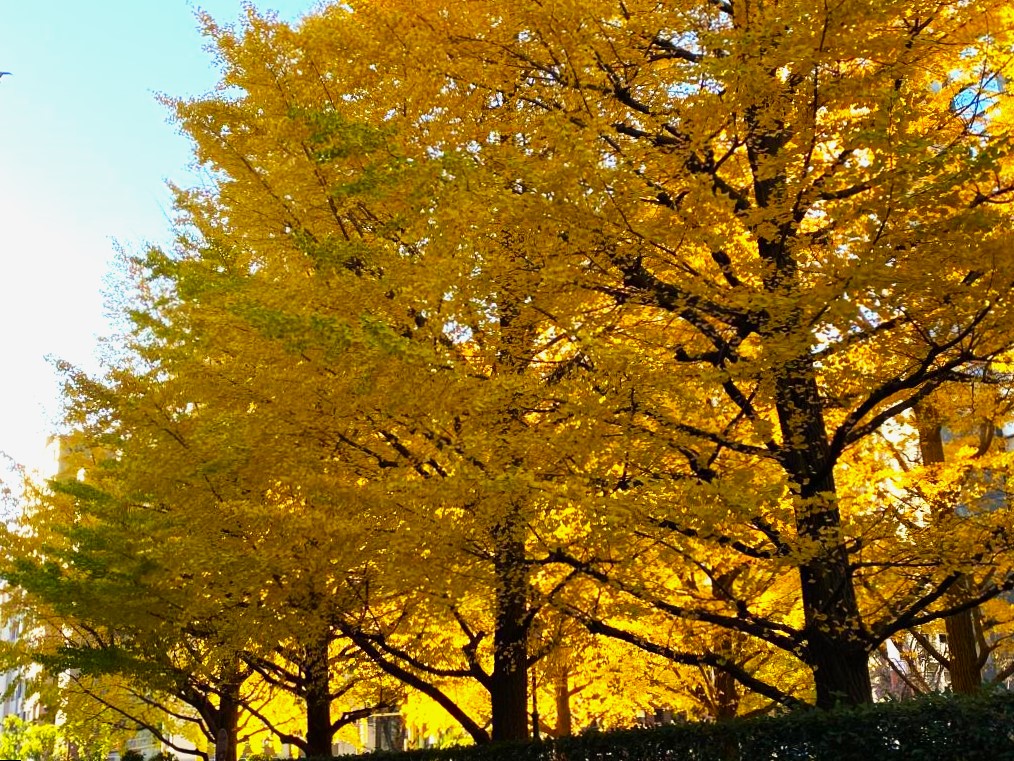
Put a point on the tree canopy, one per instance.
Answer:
(503, 335)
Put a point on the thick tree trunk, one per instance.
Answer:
(227, 729)
(963, 656)
(509, 680)
(317, 676)
(726, 700)
(508, 684)
(564, 718)
(726, 696)
(834, 649)
(962, 653)
(841, 671)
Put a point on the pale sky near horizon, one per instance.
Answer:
(85, 153)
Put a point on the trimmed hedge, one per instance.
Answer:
(934, 728)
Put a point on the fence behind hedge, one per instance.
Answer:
(936, 728)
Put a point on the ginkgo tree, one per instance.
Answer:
(492, 317)
(793, 221)
(259, 400)
(326, 269)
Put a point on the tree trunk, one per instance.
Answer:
(317, 676)
(726, 704)
(564, 718)
(509, 680)
(508, 684)
(962, 652)
(726, 696)
(227, 731)
(834, 649)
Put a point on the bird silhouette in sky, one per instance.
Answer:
(4, 73)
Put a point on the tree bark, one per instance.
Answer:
(564, 717)
(834, 646)
(508, 684)
(726, 702)
(726, 696)
(962, 652)
(317, 676)
(227, 731)
(509, 680)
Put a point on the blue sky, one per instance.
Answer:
(85, 151)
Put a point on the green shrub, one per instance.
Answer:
(935, 728)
